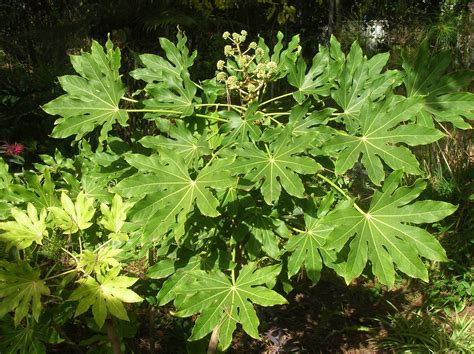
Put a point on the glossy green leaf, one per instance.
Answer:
(113, 218)
(91, 99)
(379, 132)
(23, 339)
(306, 246)
(427, 75)
(169, 86)
(99, 261)
(263, 229)
(191, 147)
(317, 81)
(39, 189)
(20, 290)
(222, 303)
(362, 80)
(170, 191)
(384, 235)
(244, 128)
(278, 166)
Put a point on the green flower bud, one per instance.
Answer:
(235, 36)
(260, 67)
(259, 52)
(220, 64)
(253, 45)
(251, 88)
(221, 77)
(242, 39)
(271, 66)
(228, 50)
(226, 35)
(243, 32)
(232, 82)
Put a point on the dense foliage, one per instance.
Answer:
(235, 192)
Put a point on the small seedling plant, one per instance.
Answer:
(234, 188)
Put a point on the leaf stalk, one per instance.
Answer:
(340, 190)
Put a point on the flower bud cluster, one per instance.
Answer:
(247, 69)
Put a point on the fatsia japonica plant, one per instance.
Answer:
(247, 182)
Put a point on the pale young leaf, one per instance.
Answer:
(29, 227)
(105, 295)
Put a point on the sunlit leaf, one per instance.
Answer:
(278, 166)
(170, 190)
(379, 133)
(105, 295)
(72, 217)
(169, 87)
(27, 228)
(223, 303)
(384, 236)
(92, 97)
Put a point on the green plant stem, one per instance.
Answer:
(103, 245)
(275, 98)
(60, 274)
(144, 110)
(174, 112)
(79, 237)
(210, 117)
(340, 190)
(69, 253)
(275, 121)
(129, 99)
(234, 257)
(278, 114)
(297, 230)
(239, 108)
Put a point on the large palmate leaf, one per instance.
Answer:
(72, 217)
(380, 130)
(99, 261)
(301, 122)
(20, 289)
(362, 80)
(278, 166)
(191, 147)
(92, 99)
(113, 218)
(171, 191)
(320, 77)
(106, 295)
(384, 235)
(427, 74)
(283, 57)
(222, 302)
(168, 83)
(39, 189)
(265, 230)
(24, 338)
(27, 228)
(307, 246)
(242, 129)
